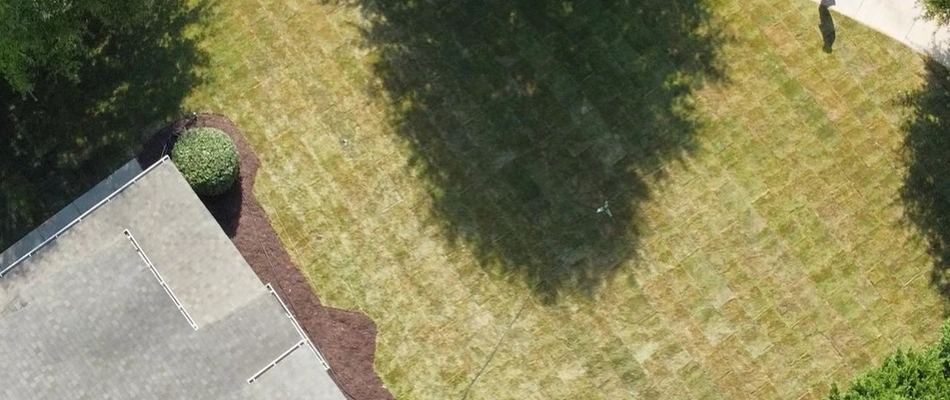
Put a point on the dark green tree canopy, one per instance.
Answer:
(937, 10)
(55, 36)
(905, 375)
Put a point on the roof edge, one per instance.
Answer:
(85, 214)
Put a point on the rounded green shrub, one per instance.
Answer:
(208, 160)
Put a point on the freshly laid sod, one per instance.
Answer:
(440, 168)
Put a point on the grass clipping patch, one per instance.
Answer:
(208, 160)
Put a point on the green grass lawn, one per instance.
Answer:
(758, 246)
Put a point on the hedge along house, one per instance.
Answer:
(142, 296)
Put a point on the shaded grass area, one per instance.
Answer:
(926, 190)
(61, 139)
(525, 118)
(773, 258)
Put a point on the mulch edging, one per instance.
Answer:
(347, 339)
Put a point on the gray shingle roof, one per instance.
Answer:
(85, 317)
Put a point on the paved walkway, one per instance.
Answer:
(902, 20)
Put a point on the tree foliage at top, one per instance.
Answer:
(937, 10)
(905, 375)
(55, 36)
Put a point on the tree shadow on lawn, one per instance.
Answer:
(62, 139)
(926, 190)
(525, 117)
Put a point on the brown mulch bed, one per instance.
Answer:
(347, 339)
